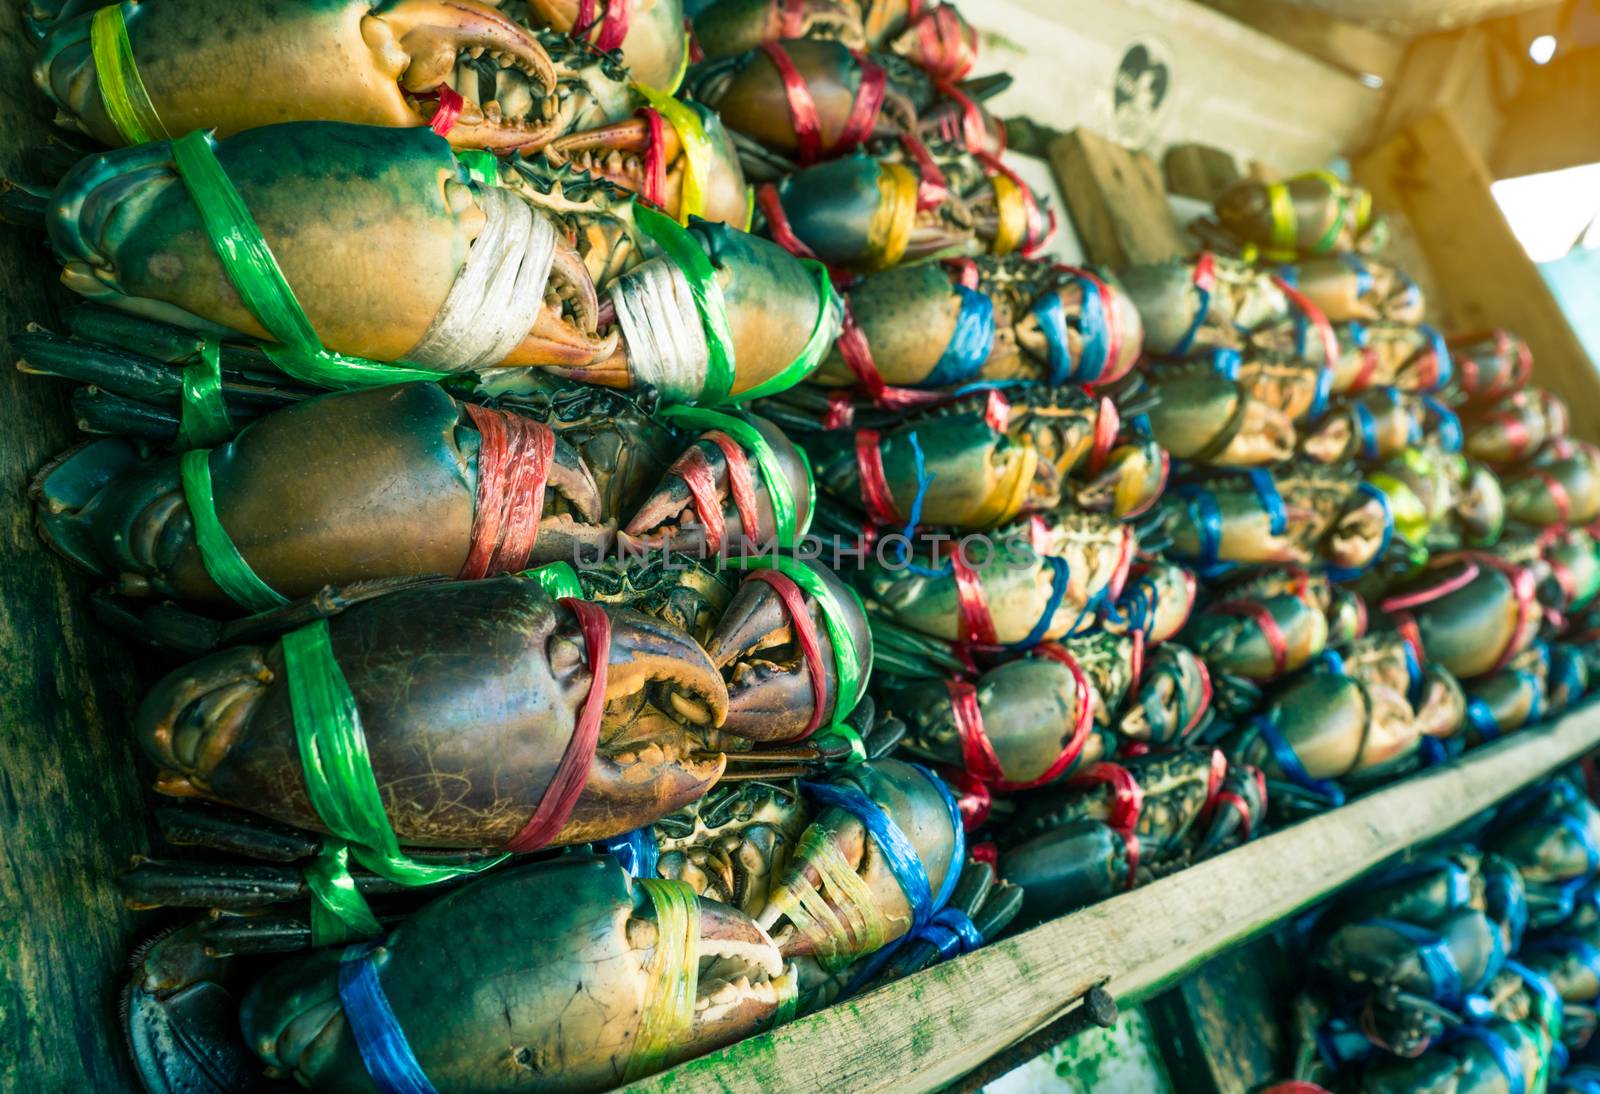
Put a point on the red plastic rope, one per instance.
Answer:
(997, 411)
(977, 624)
(977, 751)
(1330, 344)
(983, 852)
(1558, 494)
(864, 111)
(1205, 697)
(944, 48)
(741, 484)
(1136, 661)
(974, 133)
(778, 225)
(1369, 365)
(1259, 614)
(1106, 426)
(1039, 233)
(450, 103)
(805, 633)
(1516, 431)
(1432, 593)
(875, 494)
(1127, 796)
(974, 801)
(841, 410)
(803, 115)
(695, 471)
(791, 19)
(514, 455)
(613, 24)
(1109, 309)
(559, 798)
(1130, 843)
(857, 353)
(1119, 576)
(932, 188)
(1406, 627)
(655, 160)
(1214, 778)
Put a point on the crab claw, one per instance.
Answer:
(545, 979)
(1353, 541)
(672, 518)
(1134, 477)
(621, 153)
(818, 910)
(652, 46)
(770, 677)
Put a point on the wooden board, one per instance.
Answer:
(1411, 17)
(69, 789)
(1352, 48)
(1117, 201)
(1484, 278)
(1199, 171)
(1459, 71)
(931, 1028)
(1229, 85)
(1554, 120)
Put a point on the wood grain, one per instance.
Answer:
(1117, 201)
(69, 796)
(1431, 172)
(929, 1029)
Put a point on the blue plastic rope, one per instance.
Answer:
(1060, 579)
(1437, 960)
(1504, 1058)
(636, 852)
(1359, 268)
(1292, 768)
(1272, 501)
(1441, 353)
(1368, 428)
(382, 1043)
(1541, 984)
(1049, 312)
(1226, 363)
(1449, 427)
(1482, 719)
(1187, 341)
(970, 344)
(1092, 325)
(1207, 520)
(950, 931)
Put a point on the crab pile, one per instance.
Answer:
(647, 492)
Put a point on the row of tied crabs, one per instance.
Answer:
(1472, 964)
(749, 751)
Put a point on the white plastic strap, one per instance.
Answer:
(497, 295)
(661, 326)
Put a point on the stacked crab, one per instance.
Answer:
(1468, 966)
(1379, 516)
(393, 312)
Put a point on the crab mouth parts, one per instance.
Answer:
(513, 93)
(739, 975)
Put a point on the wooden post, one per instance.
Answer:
(926, 1031)
(1199, 171)
(1117, 201)
(70, 801)
(1431, 171)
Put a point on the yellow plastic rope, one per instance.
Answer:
(697, 150)
(837, 941)
(121, 89)
(674, 976)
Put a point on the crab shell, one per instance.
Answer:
(1165, 590)
(726, 28)
(1337, 726)
(1333, 284)
(916, 806)
(1364, 954)
(1465, 1064)
(669, 519)
(1319, 207)
(862, 214)
(653, 48)
(1489, 366)
(1029, 708)
(363, 61)
(1208, 418)
(1545, 849)
(370, 227)
(1555, 491)
(1516, 427)
(350, 486)
(1384, 354)
(1477, 627)
(1178, 315)
(1237, 642)
(768, 676)
(1395, 424)
(1513, 697)
(468, 693)
(543, 986)
(618, 152)
(1166, 703)
(1438, 703)
(1069, 866)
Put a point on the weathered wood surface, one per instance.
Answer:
(1554, 119)
(1352, 48)
(931, 1028)
(69, 798)
(1465, 72)
(1431, 172)
(1410, 17)
(1117, 201)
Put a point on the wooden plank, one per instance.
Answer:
(1450, 71)
(69, 788)
(1199, 171)
(1229, 85)
(931, 1028)
(1484, 278)
(1413, 17)
(1554, 120)
(1117, 201)
(1352, 48)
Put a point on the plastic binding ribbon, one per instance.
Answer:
(339, 912)
(218, 553)
(787, 532)
(122, 90)
(1205, 284)
(635, 851)
(1505, 1057)
(850, 664)
(1289, 763)
(384, 1049)
(674, 976)
(255, 273)
(1434, 953)
(340, 783)
(1347, 573)
(203, 419)
(697, 150)
(558, 579)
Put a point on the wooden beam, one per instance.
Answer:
(1484, 277)
(1351, 48)
(1554, 120)
(70, 789)
(1117, 201)
(1451, 71)
(929, 1029)
(1199, 171)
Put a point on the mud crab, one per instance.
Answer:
(1309, 214)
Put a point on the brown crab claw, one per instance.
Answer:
(743, 979)
(572, 525)
(768, 674)
(671, 519)
(1354, 539)
(654, 659)
(191, 718)
(505, 79)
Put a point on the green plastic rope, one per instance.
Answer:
(255, 273)
(338, 768)
(766, 460)
(203, 419)
(218, 554)
(674, 976)
(557, 579)
(847, 659)
(824, 329)
(121, 88)
(696, 267)
(339, 913)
